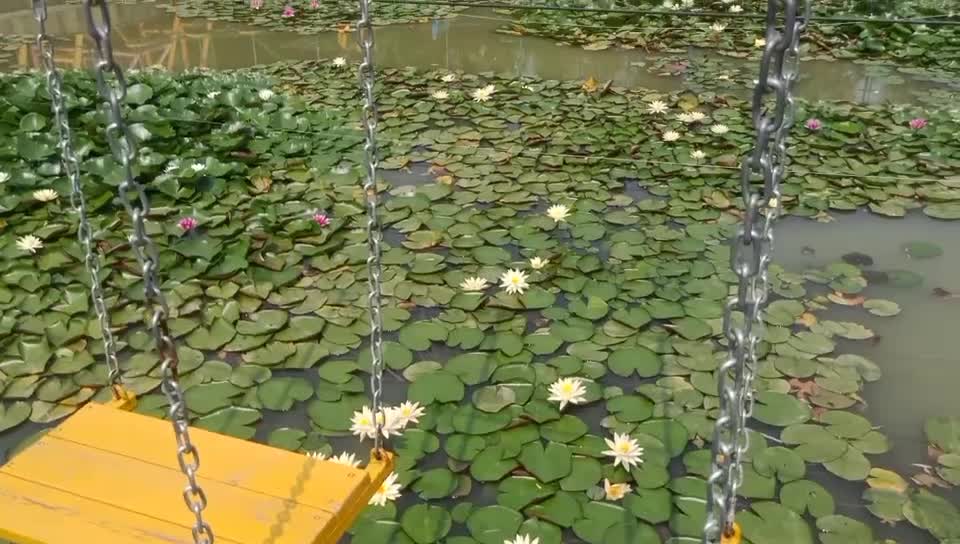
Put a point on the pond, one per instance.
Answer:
(500, 152)
(469, 42)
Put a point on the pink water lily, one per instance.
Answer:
(918, 123)
(289, 11)
(256, 4)
(314, 4)
(814, 124)
(187, 223)
(321, 219)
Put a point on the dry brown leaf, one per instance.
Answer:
(590, 85)
(929, 480)
(262, 183)
(808, 319)
(934, 452)
(845, 300)
(446, 180)
(803, 388)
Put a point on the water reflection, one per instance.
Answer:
(146, 35)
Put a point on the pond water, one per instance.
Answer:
(916, 350)
(147, 35)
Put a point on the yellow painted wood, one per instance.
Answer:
(35, 514)
(105, 477)
(123, 398)
(735, 536)
(378, 469)
(105, 464)
(225, 459)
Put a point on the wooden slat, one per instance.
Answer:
(100, 476)
(36, 514)
(280, 473)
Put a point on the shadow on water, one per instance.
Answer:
(146, 35)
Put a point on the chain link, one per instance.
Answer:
(113, 88)
(374, 232)
(751, 253)
(71, 166)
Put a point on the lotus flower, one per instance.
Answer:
(322, 219)
(187, 223)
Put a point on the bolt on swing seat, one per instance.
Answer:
(107, 475)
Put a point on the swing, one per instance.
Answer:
(80, 483)
(106, 474)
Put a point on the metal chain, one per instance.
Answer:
(113, 88)
(751, 253)
(374, 232)
(71, 167)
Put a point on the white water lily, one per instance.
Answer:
(345, 458)
(537, 263)
(4, 177)
(558, 212)
(671, 136)
(265, 94)
(449, 78)
(440, 95)
(698, 155)
(568, 391)
(691, 117)
(29, 243)
(339, 62)
(171, 166)
(624, 450)
(522, 539)
(657, 106)
(474, 284)
(407, 413)
(514, 281)
(735, 9)
(615, 492)
(198, 167)
(363, 425)
(760, 42)
(389, 491)
(235, 127)
(719, 129)
(484, 93)
(45, 195)
(718, 27)
(318, 455)
(213, 94)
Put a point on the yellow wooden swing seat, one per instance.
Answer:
(110, 476)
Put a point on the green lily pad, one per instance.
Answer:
(426, 524)
(640, 360)
(547, 464)
(780, 409)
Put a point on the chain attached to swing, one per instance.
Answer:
(113, 88)
(374, 232)
(751, 253)
(71, 167)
